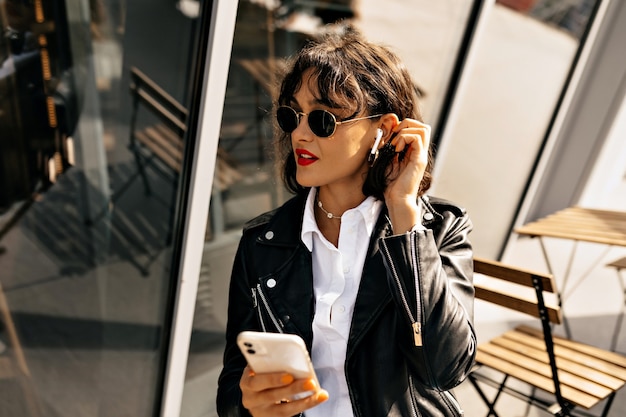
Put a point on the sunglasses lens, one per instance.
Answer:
(287, 119)
(322, 123)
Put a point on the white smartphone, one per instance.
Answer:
(277, 352)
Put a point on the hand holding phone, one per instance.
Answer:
(278, 352)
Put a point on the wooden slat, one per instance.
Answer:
(152, 144)
(575, 396)
(153, 104)
(515, 275)
(578, 223)
(168, 142)
(172, 138)
(543, 369)
(607, 214)
(562, 363)
(515, 302)
(570, 234)
(573, 355)
(587, 223)
(576, 230)
(616, 359)
(141, 80)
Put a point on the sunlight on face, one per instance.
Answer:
(338, 160)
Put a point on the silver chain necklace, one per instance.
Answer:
(328, 213)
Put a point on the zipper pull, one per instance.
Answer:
(254, 301)
(417, 333)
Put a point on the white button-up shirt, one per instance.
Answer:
(336, 278)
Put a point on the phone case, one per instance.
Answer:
(276, 352)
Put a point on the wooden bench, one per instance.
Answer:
(577, 376)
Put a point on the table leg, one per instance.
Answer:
(620, 317)
(564, 289)
(559, 294)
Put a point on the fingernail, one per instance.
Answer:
(309, 385)
(286, 379)
(322, 396)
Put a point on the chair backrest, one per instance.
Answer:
(146, 92)
(508, 296)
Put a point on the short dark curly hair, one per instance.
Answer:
(355, 74)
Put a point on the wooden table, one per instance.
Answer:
(579, 224)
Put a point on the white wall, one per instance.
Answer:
(518, 73)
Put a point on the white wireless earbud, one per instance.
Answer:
(371, 158)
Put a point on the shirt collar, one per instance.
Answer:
(369, 210)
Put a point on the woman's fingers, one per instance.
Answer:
(273, 394)
(411, 141)
(411, 132)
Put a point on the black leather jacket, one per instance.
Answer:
(411, 338)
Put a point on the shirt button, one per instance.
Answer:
(269, 235)
(346, 269)
(271, 283)
(428, 216)
(342, 309)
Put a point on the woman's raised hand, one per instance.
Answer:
(412, 138)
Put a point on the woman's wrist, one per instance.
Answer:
(404, 215)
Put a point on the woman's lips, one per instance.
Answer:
(305, 157)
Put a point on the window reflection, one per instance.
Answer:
(571, 16)
(85, 220)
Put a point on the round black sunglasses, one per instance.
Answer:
(322, 122)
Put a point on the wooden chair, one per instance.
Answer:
(576, 376)
(161, 145)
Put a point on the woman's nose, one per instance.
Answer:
(302, 130)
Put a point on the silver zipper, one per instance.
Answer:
(270, 313)
(256, 305)
(254, 300)
(416, 326)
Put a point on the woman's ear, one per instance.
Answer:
(388, 123)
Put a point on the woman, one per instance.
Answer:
(375, 276)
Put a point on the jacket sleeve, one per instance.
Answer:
(430, 273)
(241, 316)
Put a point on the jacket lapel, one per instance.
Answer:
(374, 292)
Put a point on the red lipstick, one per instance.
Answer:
(305, 157)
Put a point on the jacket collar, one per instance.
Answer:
(283, 227)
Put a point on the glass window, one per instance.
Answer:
(521, 68)
(93, 108)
